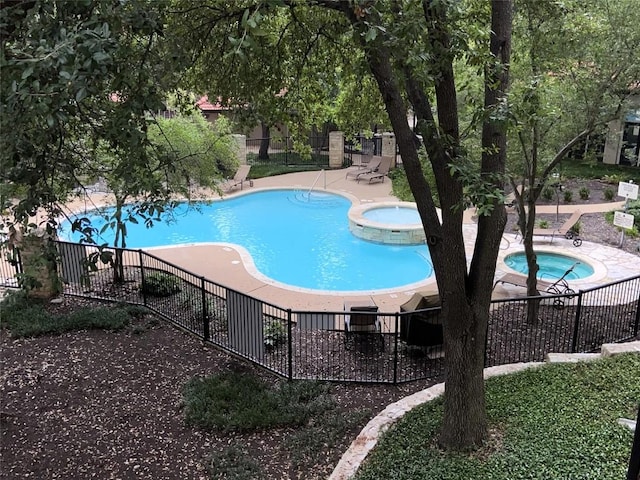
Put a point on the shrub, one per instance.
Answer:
(577, 228)
(543, 224)
(30, 318)
(568, 196)
(633, 208)
(584, 193)
(243, 402)
(159, 284)
(612, 178)
(547, 193)
(275, 332)
(609, 193)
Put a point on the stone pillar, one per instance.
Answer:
(336, 149)
(38, 257)
(241, 147)
(389, 147)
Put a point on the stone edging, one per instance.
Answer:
(368, 436)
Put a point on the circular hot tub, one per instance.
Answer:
(394, 223)
(552, 265)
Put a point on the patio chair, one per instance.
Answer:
(379, 174)
(238, 179)
(362, 160)
(558, 287)
(566, 230)
(361, 322)
(371, 167)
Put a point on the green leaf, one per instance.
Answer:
(81, 94)
(371, 35)
(27, 72)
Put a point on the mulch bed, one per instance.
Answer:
(96, 404)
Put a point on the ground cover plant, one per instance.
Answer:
(239, 402)
(556, 421)
(27, 317)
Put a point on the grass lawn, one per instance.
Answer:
(554, 422)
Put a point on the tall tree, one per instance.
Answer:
(572, 75)
(75, 76)
(409, 48)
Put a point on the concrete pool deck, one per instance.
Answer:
(232, 267)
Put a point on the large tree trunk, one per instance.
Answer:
(263, 153)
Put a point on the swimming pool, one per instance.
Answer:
(301, 239)
(552, 265)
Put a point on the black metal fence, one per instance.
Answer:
(316, 345)
(280, 151)
(361, 146)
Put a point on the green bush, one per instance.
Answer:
(158, 284)
(584, 193)
(568, 196)
(577, 228)
(242, 402)
(29, 318)
(275, 332)
(633, 208)
(543, 224)
(547, 193)
(609, 193)
(612, 178)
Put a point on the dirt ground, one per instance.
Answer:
(96, 404)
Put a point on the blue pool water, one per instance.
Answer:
(552, 265)
(294, 237)
(393, 215)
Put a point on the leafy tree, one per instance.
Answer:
(409, 49)
(202, 153)
(189, 153)
(571, 76)
(75, 74)
(79, 80)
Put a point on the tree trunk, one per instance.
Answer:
(263, 153)
(464, 423)
(533, 305)
(119, 242)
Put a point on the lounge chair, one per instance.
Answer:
(565, 230)
(558, 287)
(362, 160)
(360, 321)
(238, 179)
(521, 281)
(371, 167)
(379, 174)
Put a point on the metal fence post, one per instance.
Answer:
(576, 326)
(142, 289)
(205, 311)
(290, 345)
(395, 350)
